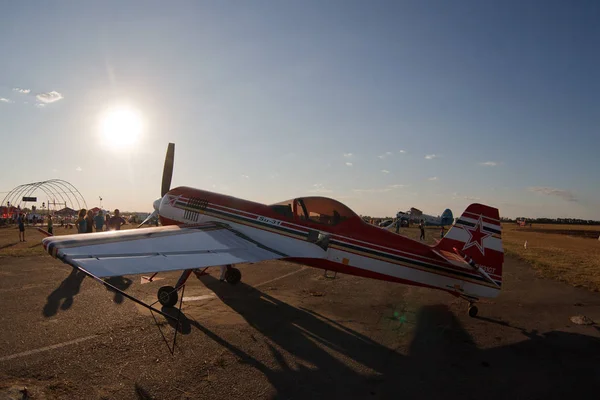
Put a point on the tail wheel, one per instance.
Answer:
(167, 296)
(473, 311)
(233, 275)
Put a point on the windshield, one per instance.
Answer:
(322, 210)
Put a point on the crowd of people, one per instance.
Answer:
(86, 222)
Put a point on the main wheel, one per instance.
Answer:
(473, 311)
(233, 275)
(167, 296)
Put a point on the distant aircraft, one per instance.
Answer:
(415, 216)
(203, 229)
(446, 219)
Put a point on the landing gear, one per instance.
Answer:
(167, 296)
(233, 275)
(472, 307)
(472, 310)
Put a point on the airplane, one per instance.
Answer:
(445, 219)
(202, 229)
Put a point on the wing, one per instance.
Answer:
(168, 248)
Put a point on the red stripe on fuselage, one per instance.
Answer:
(363, 235)
(350, 270)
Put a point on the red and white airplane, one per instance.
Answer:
(203, 229)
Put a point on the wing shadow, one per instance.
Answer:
(66, 290)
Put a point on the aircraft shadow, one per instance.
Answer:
(67, 289)
(442, 360)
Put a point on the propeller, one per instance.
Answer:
(166, 181)
(168, 169)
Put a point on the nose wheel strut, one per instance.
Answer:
(167, 295)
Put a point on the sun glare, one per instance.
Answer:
(121, 126)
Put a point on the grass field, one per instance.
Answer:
(568, 253)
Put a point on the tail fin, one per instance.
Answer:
(478, 235)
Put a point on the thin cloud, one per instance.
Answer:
(348, 155)
(550, 191)
(430, 156)
(40, 105)
(5, 100)
(349, 164)
(245, 176)
(489, 164)
(456, 195)
(385, 155)
(379, 190)
(433, 178)
(320, 188)
(19, 90)
(78, 169)
(402, 152)
(385, 171)
(49, 97)
(375, 190)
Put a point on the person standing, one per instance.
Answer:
(50, 225)
(422, 227)
(21, 222)
(116, 221)
(99, 220)
(80, 222)
(89, 222)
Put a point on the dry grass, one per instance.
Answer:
(575, 260)
(554, 227)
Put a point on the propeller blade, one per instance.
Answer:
(148, 218)
(168, 170)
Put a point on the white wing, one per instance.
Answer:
(159, 249)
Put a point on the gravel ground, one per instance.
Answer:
(301, 336)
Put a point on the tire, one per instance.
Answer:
(167, 296)
(473, 311)
(233, 276)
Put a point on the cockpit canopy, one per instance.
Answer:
(317, 209)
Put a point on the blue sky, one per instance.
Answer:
(269, 100)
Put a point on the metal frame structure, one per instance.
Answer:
(57, 191)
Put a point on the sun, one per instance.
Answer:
(121, 126)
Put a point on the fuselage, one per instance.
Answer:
(352, 246)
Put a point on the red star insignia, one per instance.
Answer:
(476, 236)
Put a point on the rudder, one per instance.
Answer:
(477, 234)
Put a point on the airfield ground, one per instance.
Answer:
(288, 332)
